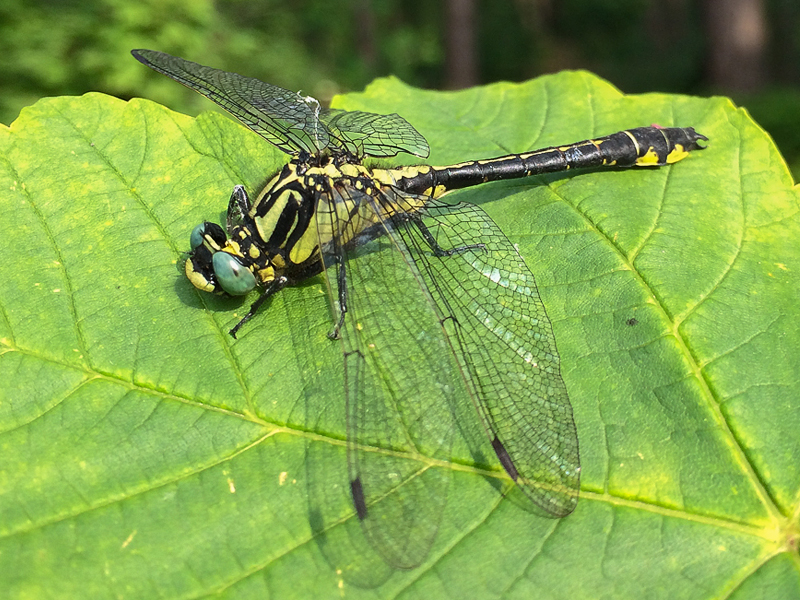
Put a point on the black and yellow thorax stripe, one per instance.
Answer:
(281, 233)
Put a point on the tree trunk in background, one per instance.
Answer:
(461, 58)
(784, 56)
(737, 39)
(365, 40)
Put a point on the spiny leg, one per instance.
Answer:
(341, 283)
(274, 287)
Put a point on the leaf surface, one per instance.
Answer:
(144, 453)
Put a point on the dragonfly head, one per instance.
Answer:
(213, 266)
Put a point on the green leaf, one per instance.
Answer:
(144, 453)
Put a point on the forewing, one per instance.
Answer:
(284, 118)
(402, 380)
(369, 134)
(507, 349)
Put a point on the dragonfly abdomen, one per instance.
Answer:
(644, 146)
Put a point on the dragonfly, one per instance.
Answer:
(432, 303)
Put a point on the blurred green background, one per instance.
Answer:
(746, 49)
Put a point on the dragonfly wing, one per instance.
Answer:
(370, 134)
(401, 380)
(284, 118)
(508, 350)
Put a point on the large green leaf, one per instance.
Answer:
(144, 453)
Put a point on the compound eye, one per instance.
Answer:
(232, 275)
(205, 230)
(196, 239)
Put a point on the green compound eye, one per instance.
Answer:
(207, 233)
(232, 275)
(196, 239)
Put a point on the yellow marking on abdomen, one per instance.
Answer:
(678, 153)
(648, 159)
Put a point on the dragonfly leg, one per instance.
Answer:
(436, 248)
(274, 287)
(341, 283)
(238, 207)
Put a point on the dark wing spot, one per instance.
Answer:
(358, 498)
(505, 459)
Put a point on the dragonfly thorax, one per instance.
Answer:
(276, 236)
